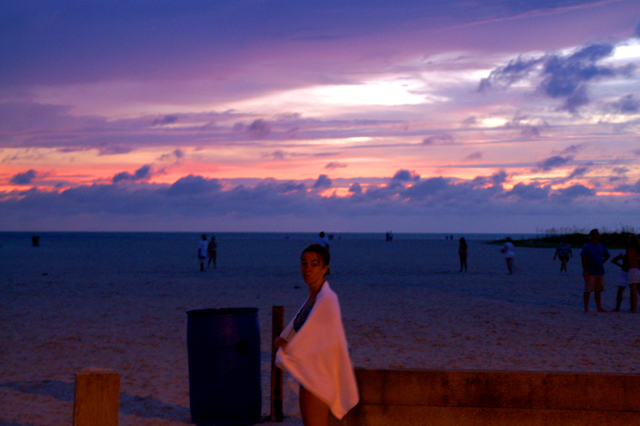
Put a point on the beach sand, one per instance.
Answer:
(121, 304)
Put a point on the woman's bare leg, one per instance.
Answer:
(314, 412)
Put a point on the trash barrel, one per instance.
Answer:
(224, 366)
(35, 240)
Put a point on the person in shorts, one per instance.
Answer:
(563, 252)
(593, 254)
(622, 260)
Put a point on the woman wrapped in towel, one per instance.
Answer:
(313, 347)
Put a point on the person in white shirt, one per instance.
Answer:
(202, 252)
(509, 254)
(322, 240)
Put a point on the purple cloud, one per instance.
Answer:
(406, 176)
(259, 129)
(142, 173)
(553, 162)
(355, 188)
(323, 182)
(563, 77)
(24, 178)
(167, 119)
(443, 139)
(628, 104)
(573, 192)
(335, 165)
(473, 156)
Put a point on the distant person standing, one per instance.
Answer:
(509, 253)
(462, 252)
(633, 277)
(322, 240)
(622, 260)
(563, 252)
(593, 254)
(212, 249)
(202, 252)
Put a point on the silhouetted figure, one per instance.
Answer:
(322, 240)
(202, 252)
(212, 252)
(622, 260)
(563, 252)
(462, 252)
(509, 254)
(593, 254)
(633, 276)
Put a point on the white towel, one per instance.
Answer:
(317, 356)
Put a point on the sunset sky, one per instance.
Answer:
(361, 116)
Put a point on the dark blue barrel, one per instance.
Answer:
(224, 366)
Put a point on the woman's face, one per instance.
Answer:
(313, 268)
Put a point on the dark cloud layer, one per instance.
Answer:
(194, 198)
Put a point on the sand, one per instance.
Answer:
(121, 304)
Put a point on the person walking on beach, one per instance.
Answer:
(509, 254)
(563, 252)
(322, 240)
(202, 251)
(462, 252)
(622, 260)
(313, 347)
(633, 276)
(593, 254)
(212, 252)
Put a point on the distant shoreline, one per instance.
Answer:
(477, 236)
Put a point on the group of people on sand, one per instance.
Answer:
(594, 254)
(507, 249)
(313, 347)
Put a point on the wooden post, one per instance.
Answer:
(97, 398)
(276, 373)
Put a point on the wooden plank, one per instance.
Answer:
(561, 391)
(379, 415)
(97, 398)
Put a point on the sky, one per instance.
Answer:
(344, 116)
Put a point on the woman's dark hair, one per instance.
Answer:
(322, 252)
(633, 242)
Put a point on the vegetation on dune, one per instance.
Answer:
(616, 239)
